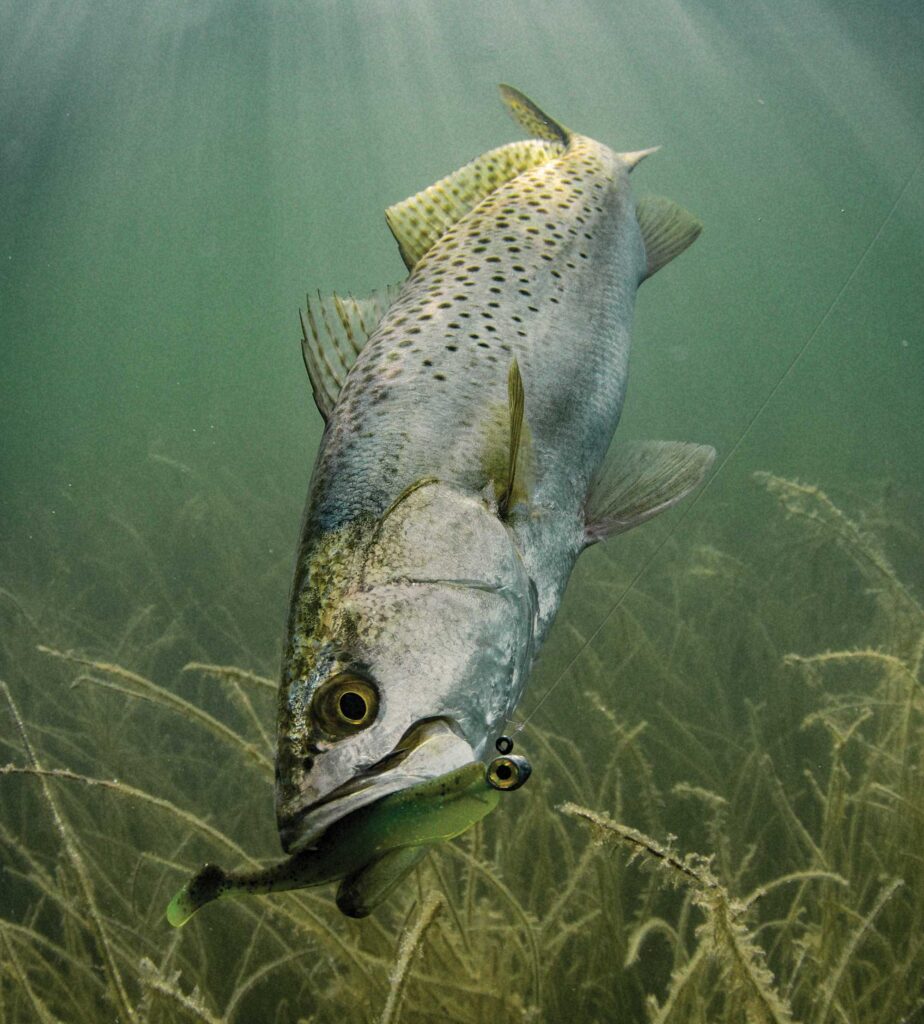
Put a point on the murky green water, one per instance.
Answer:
(173, 179)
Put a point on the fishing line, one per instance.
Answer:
(793, 363)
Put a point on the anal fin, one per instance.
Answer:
(640, 479)
(667, 229)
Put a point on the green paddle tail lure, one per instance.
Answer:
(370, 851)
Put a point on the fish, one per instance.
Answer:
(466, 462)
(369, 851)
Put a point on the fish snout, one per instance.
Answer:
(430, 748)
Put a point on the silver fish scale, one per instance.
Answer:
(410, 587)
(543, 270)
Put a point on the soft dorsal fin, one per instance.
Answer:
(421, 220)
(531, 118)
(334, 330)
(667, 229)
(640, 479)
(516, 400)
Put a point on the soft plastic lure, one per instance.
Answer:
(371, 850)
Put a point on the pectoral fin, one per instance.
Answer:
(667, 229)
(334, 330)
(516, 398)
(639, 480)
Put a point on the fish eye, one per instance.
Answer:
(508, 772)
(352, 706)
(345, 704)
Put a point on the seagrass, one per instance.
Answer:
(801, 791)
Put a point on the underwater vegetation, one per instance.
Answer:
(725, 820)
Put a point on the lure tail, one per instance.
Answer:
(210, 883)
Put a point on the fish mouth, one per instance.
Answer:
(428, 749)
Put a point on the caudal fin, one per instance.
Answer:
(537, 122)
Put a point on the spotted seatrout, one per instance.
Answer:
(464, 464)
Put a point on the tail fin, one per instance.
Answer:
(534, 120)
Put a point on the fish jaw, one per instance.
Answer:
(433, 608)
(429, 749)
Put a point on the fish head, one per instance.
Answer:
(409, 643)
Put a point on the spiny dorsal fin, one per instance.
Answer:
(421, 220)
(531, 118)
(667, 229)
(640, 479)
(334, 330)
(516, 399)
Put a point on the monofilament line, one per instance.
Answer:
(781, 380)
